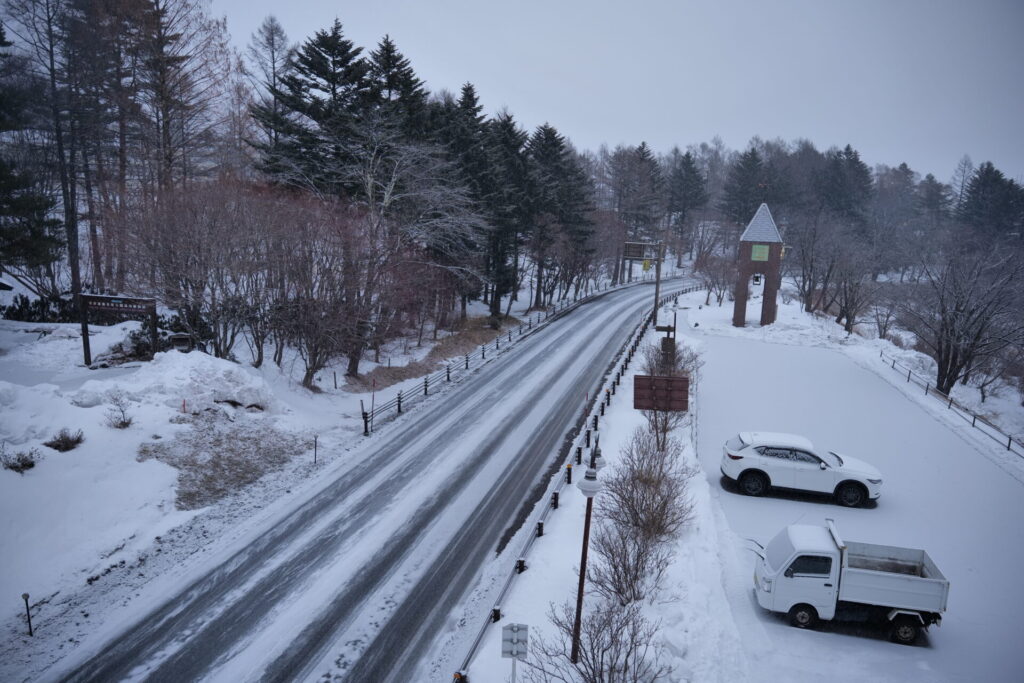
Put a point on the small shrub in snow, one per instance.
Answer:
(64, 440)
(616, 644)
(19, 462)
(117, 414)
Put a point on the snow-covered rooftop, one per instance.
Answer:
(761, 227)
(777, 439)
(805, 537)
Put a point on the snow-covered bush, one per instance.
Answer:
(64, 440)
(19, 462)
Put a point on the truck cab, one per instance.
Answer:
(800, 566)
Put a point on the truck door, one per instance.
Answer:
(809, 579)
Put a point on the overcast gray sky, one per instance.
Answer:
(921, 81)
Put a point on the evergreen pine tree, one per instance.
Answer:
(323, 97)
(509, 206)
(992, 202)
(934, 200)
(686, 192)
(29, 236)
(845, 187)
(397, 89)
(745, 187)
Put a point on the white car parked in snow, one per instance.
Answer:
(758, 461)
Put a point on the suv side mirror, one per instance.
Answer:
(823, 465)
(789, 573)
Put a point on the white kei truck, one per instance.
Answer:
(810, 573)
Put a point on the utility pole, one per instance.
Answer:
(657, 279)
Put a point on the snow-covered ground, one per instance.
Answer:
(947, 490)
(92, 527)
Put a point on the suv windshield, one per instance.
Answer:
(735, 443)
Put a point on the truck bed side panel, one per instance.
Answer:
(893, 590)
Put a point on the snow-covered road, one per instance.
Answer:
(940, 493)
(358, 580)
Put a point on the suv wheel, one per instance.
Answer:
(753, 483)
(851, 495)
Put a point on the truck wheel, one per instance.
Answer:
(803, 616)
(851, 495)
(753, 483)
(905, 630)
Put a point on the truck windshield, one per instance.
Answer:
(778, 551)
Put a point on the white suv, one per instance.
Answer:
(758, 461)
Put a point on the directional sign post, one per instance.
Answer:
(515, 639)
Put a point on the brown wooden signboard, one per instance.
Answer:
(634, 250)
(661, 393)
(125, 305)
(118, 304)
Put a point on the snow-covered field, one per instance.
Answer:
(947, 490)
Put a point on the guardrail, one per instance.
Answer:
(1014, 445)
(581, 441)
(456, 369)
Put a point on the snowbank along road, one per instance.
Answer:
(359, 580)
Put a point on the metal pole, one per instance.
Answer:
(657, 283)
(513, 670)
(575, 655)
(28, 613)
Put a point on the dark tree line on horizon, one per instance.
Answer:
(317, 196)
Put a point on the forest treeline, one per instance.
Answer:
(318, 196)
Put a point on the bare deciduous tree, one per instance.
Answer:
(966, 309)
(616, 646)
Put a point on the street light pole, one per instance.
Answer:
(657, 280)
(589, 485)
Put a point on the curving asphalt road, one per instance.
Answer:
(359, 580)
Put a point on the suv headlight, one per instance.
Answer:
(874, 481)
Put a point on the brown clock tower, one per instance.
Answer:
(760, 253)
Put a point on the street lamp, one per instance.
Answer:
(589, 486)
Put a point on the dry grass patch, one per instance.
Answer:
(471, 336)
(218, 456)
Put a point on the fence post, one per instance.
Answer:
(926, 388)
(1009, 441)
(399, 402)
(483, 352)
(579, 455)
(448, 372)
(950, 402)
(908, 375)
(893, 363)
(426, 385)
(467, 361)
(974, 419)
